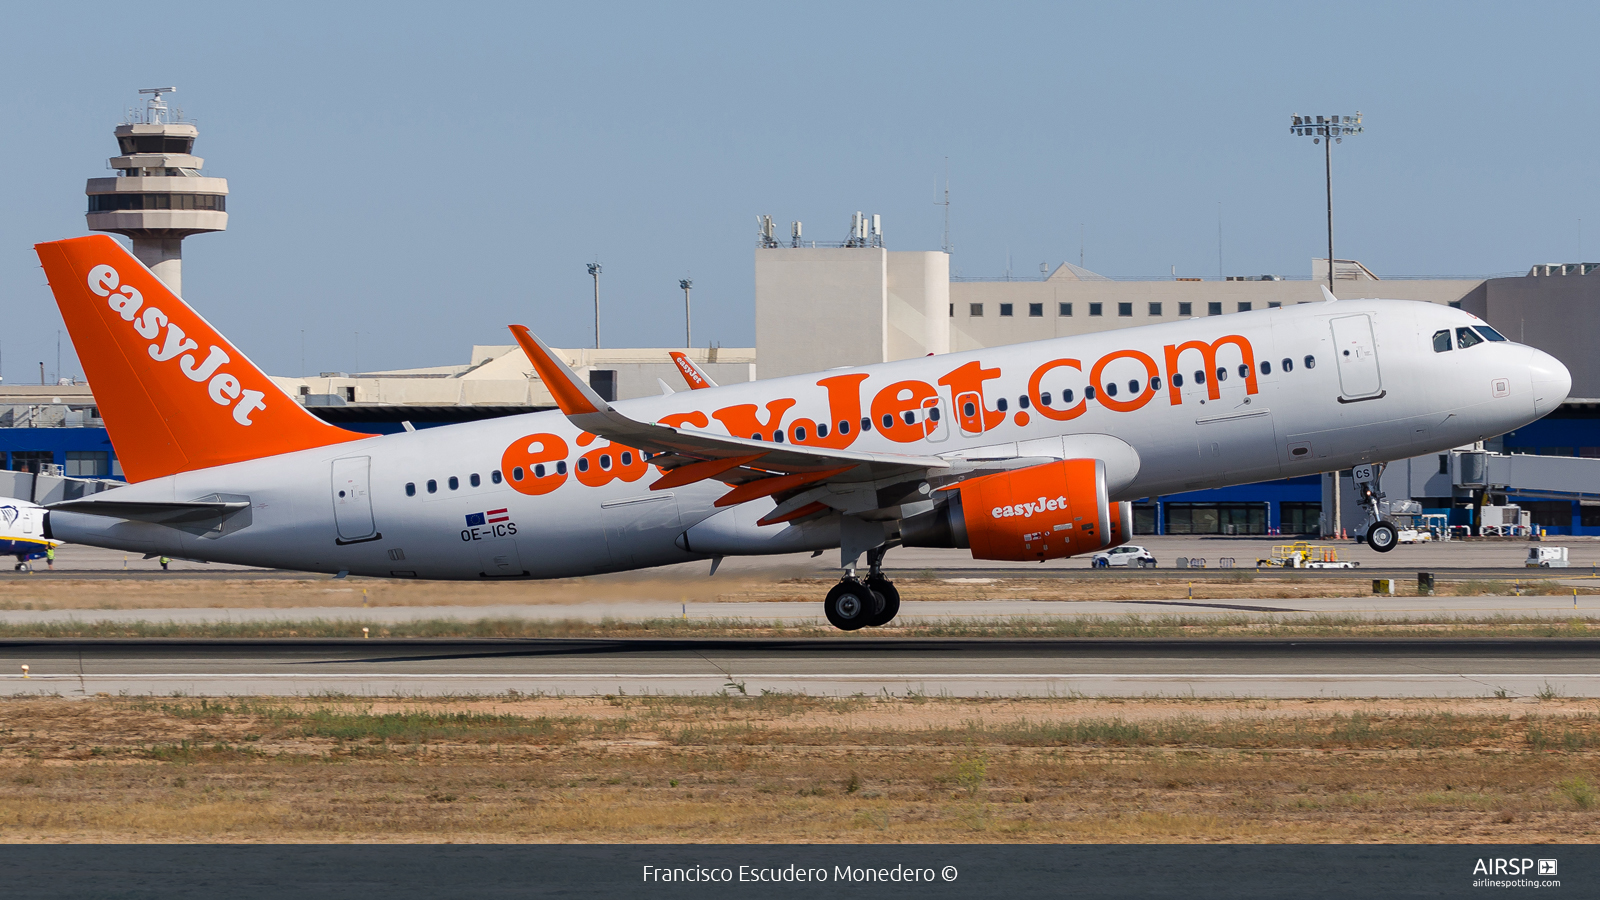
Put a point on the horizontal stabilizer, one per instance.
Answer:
(174, 514)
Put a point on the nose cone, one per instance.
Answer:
(1551, 382)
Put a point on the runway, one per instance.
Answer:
(962, 668)
(810, 613)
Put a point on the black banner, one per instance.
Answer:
(824, 871)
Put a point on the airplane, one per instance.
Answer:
(22, 531)
(1026, 452)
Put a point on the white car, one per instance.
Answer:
(1126, 555)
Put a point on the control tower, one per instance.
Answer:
(158, 196)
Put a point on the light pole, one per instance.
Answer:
(1327, 130)
(688, 332)
(594, 271)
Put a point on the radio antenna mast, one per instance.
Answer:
(946, 204)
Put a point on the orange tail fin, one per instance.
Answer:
(175, 394)
(697, 379)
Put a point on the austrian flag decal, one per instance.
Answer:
(490, 517)
(492, 523)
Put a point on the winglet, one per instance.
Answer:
(692, 373)
(1328, 295)
(573, 396)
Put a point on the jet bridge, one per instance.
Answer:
(1469, 476)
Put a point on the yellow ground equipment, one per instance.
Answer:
(1302, 555)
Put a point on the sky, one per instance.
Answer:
(406, 179)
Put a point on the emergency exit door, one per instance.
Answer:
(352, 499)
(1355, 353)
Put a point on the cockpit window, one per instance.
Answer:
(1466, 337)
(1490, 333)
(1441, 341)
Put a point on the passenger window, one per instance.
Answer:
(495, 476)
(866, 424)
(516, 473)
(822, 429)
(583, 464)
(1022, 402)
(1044, 398)
(1133, 388)
(1000, 404)
(1288, 364)
(1177, 379)
(1111, 389)
(1066, 397)
(1266, 367)
(1199, 376)
(475, 480)
(844, 426)
(911, 417)
(888, 420)
(1441, 341)
(605, 462)
(1311, 362)
(433, 486)
(538, 471)
(411, 489)
(1155, 384)
(1490, 333)
(1222, 374)
(777, 437)
(1244, 371)
(561, 467)
(799, 438)
(1088, 392)
(967, 409)
(1466, 337)
(627, 457)
(454, 483)
(933, 413)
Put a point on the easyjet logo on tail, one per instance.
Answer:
(223, 388)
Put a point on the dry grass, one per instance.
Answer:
(790, 768)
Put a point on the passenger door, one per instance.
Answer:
(352, 500)
(1356, 355)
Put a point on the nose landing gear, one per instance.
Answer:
(854, 603)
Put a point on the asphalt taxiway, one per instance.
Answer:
(839, 667)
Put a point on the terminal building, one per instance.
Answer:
(870, 304)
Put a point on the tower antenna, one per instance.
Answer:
(948, 249)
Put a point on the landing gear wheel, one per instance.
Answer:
(890, 594)
(850, 605)
(1101, 564)
(1382, 537)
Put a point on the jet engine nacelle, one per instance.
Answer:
(1049, 511)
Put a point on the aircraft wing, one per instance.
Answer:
(755, 468)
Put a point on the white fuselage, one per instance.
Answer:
(1377, 391)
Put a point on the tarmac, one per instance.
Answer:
(957, 668)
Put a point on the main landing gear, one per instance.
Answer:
(855, 603)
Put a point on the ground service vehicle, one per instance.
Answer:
(1547, 557)
(1303, 555)
(1027, 452)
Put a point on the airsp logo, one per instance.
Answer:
(1512, 866)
